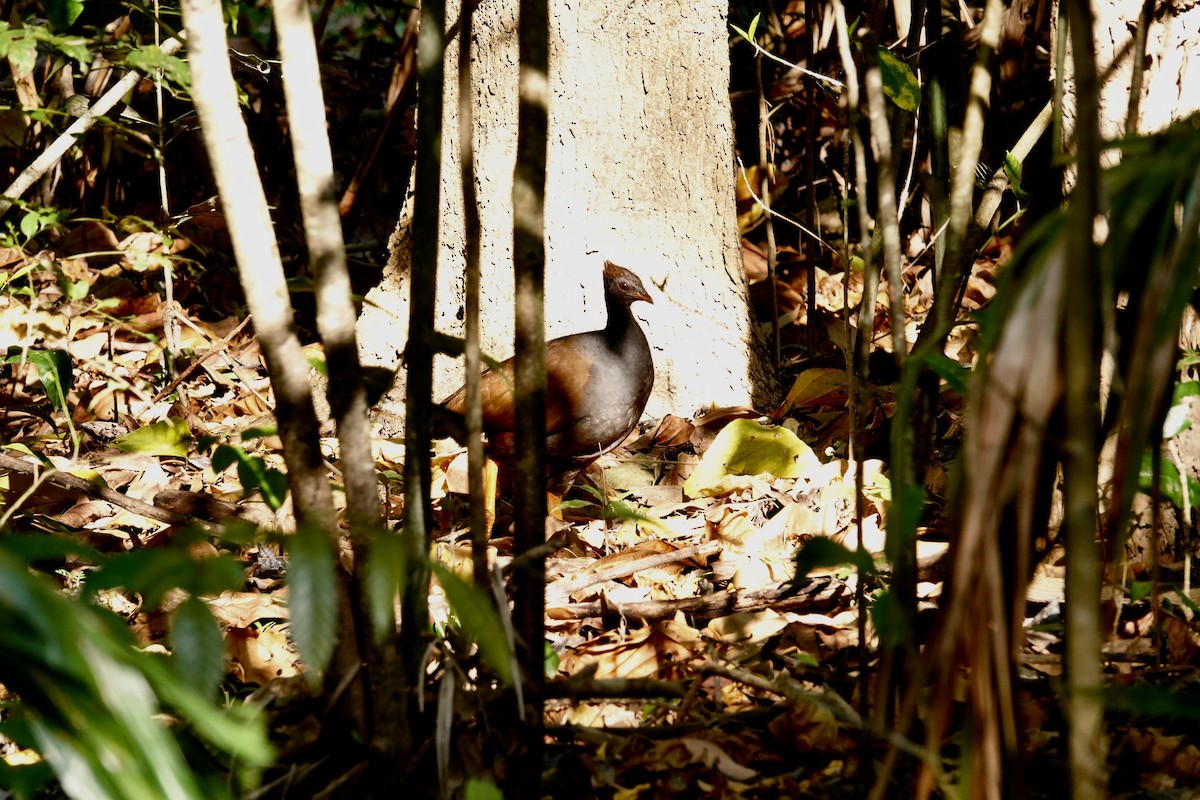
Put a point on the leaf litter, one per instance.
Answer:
(678, 569)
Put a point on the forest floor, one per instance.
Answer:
(688, 662)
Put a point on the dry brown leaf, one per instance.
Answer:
(747, 627)
(1174, 755)
(601, 715)
(262, 653)
(809, 727)
(243, 609)
(641, 653)
(712, 755)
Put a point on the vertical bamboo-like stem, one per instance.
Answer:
(261, 273)
(473, 236)
(414, 607)
(1084, 676)
(766, 174)
(954, 268)
(811, 34)
(529, 491)
(861, 340)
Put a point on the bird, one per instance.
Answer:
(597, 384)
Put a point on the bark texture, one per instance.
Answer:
(640, 171)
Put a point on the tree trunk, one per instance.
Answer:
(1172, 46)
(640, 171)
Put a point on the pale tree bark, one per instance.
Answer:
(640, 171)
(261, 273)
(1171, 63)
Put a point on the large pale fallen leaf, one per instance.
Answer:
(748, 448)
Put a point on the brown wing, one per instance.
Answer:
(566, 377)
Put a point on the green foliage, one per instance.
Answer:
(385, 576)
(1012, 171)
(13, 283)
(1140, 590)
(20, 46)
(54, 371)
(197, 646)
(551, 660)
(253, 473)
(1177, 420)
(312, 598)
(906, 510)
(1155, 701)
(820, 552)
(479, 789)
(900, 84)
(749, 33)
(90, 700)
(35, 220)
(153, 572)
(169, 437)
(479, 620)
(149, 58)
(890, 621)
(1169, 483)
(63, 13)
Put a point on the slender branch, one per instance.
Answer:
(59, 147)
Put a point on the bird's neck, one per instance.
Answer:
(621, 323)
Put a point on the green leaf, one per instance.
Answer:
(819, 552)
(386, 571)
(746, 447)
(22, 54)
(889, 620)
(904, 516)
(27, 780)
(75, 48)
(1177, 420)
(479, 618)
(482, 789)
(148, 58)
(90, 701)
(900, 84)
(1169, 483)
(63, 13)
(1012, 171)
(748, 35)
(35, 549)
(253, 473)
(170, 437)
(198, 650)
(152, 572)
(31, 224)
(1140, 590)
(953, 373)
(54, 371)
(258, 432)
(312, 598)
(1158, 701)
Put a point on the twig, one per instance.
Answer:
(584, 688)
(219, 347)
(780, 597)
(825, 697)
(65, 480)
(564, 587)
(58, 148)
